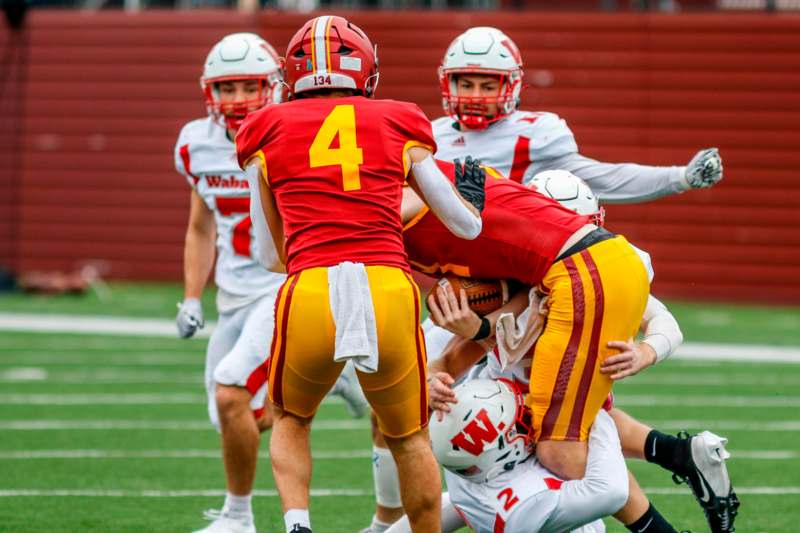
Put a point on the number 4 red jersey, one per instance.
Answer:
(336, 169)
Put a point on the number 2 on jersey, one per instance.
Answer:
(340, 122)
(241, 231)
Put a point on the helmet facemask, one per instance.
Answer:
(233, 113)
(473, 112)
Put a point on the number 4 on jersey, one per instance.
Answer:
(341, 123)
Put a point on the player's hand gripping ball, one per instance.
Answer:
(483, 295)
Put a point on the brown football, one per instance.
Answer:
(483, 295)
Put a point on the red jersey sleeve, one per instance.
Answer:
(410, 122)
(254, 134)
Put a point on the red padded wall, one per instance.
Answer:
(108, 92)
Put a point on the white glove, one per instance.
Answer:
(704, 170)
(190, 317)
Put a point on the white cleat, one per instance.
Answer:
(707, 476)
(221, 522)
(349, 389)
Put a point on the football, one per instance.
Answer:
(483, 295)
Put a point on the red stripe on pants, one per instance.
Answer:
(499, 525)
(258, 377)
(423, 391)
(277, 394)
(568, 359)
(574, 430)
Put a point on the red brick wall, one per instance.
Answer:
(107, 93)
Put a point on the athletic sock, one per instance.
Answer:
(651, 522)
(239, 505)
(294, 519)
(667, 451)
(376, 526)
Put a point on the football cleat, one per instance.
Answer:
(349, 389)
(707, 476)
(300, 529)
(222, 522)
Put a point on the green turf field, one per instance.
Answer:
(102, 433)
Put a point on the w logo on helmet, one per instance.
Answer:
(478, 432)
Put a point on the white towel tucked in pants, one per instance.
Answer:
(354, 316)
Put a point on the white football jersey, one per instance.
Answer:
(207, 158)
(509, 145)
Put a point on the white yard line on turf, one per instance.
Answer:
(22, 455)
(159, 454)
(167, 493)
(164, 425)
(87, 493)
(346, 425)
(23, 374)
(622, 399)
(100, 325)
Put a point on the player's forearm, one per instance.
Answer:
(619, 182)
(457, 357)
(198, 260)
(660, 329)
(458, 215)
(268, 254)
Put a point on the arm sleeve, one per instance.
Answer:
(441, 197)
(266, 253)
(618, 182)
(660, 329)
(602, 491)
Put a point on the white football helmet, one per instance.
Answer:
(485, 433)
(570, 191)
(241, 56)
(481, 50)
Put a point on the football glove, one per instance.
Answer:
(190, 317)
(470, 179)
(704, 170)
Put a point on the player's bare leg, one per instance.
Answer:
(290, 453)
(241, 436)
(420, 482)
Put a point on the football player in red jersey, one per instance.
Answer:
(597, 287)
(332, 164)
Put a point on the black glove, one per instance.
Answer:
(470, 181)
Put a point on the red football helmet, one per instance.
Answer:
(329, 52)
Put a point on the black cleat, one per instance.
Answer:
(706, 474)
